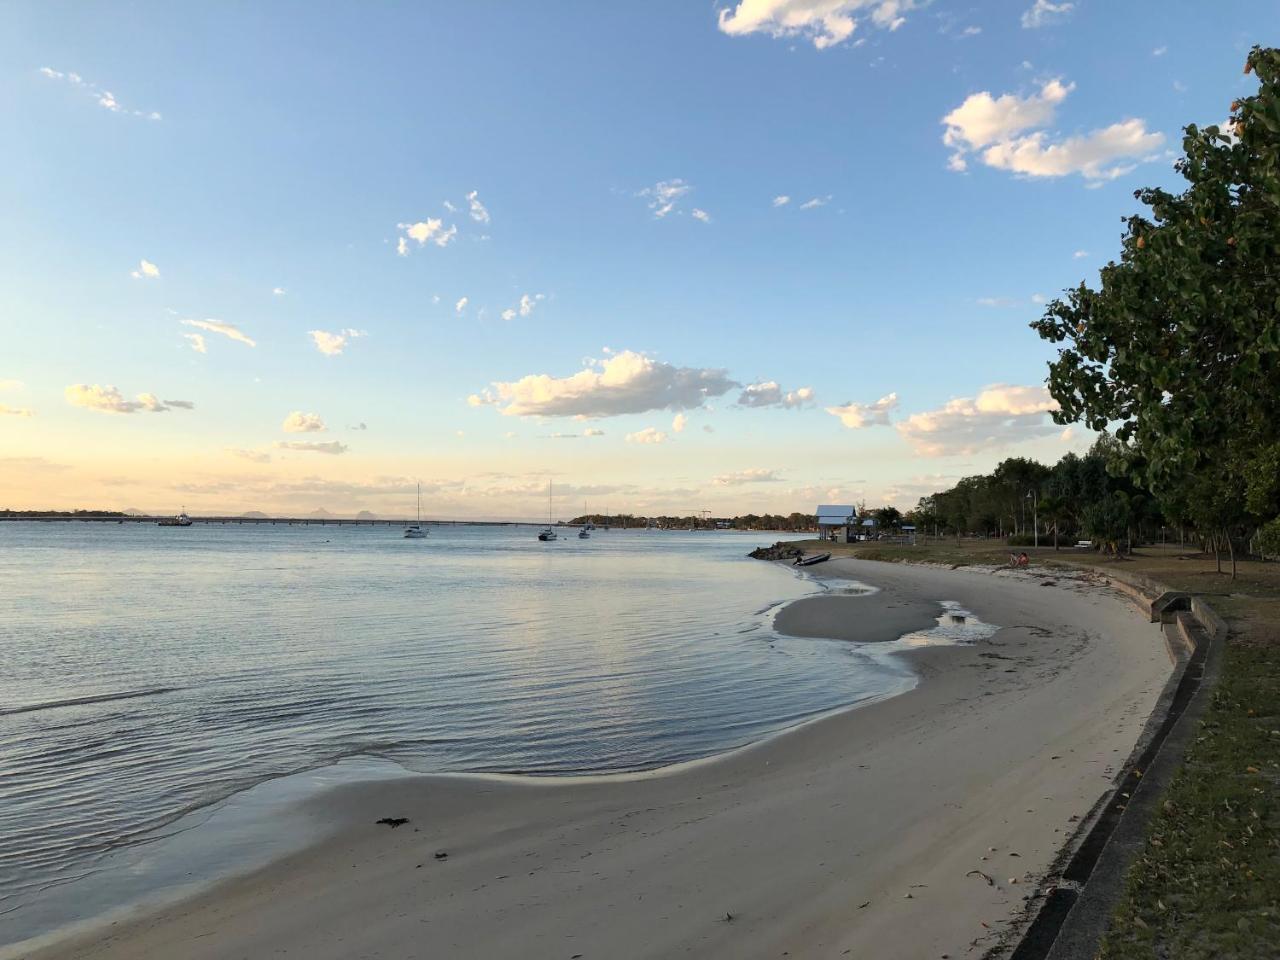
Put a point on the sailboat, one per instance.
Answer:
(587, 526)
(414, 531)
(549, 533)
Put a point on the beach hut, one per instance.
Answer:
(837, 523)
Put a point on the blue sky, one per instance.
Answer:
(294, 140)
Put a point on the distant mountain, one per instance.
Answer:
(320, 513)
(366, 515)
(254, 515)
(135, 512)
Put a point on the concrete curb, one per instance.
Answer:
(1080, 893)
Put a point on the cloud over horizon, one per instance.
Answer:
(299, 422)
(332, 447)
(109, 399)
(228, 330)
(625, 382)
(1000, 415)
(768, 393)
(855, 416)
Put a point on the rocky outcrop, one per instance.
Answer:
(779, 551)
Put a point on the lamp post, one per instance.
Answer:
(1035, 514)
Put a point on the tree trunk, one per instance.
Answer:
(1217, 551)
(1231, 549)
(1055, 536)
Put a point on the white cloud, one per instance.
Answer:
(478, 212)
(767, 393)
(8, 411)
(146, 271)
(781, 200)
(996, 129)
(816, 202)
(108, 399)
(461, 304)
(647, 435)
(1079, 254)
(858, 415)
(1039, 299)
(509, 313)
(104, 98)
(998, 301)
(257, 456)
(982, 119)
(278, 291)
(431, 230)
(1097, 156)
(701, 215)
(679, 422)
(527, 303)
(970, 31)
(625, 382)
(332, 344)
(198, 343)
(1044, 13)
(299, 422)
(664, 196)
(593, 432)
(229, 330)
(312, 446)
(824, 22)
(757, 475)
(1159, 51)
(999, 416)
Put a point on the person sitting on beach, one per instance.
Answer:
(1023, 559)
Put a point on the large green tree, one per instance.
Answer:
(1179, 348)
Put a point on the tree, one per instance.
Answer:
(1180, 345)
(888, 518)
(1055, 512)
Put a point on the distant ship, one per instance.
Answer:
(181, 520)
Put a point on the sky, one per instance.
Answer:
(739, 255)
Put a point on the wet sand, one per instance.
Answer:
(854, 835)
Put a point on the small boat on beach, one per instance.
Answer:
(803, 561)
(181, 520)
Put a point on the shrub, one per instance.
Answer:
(1022, 540)
(1269, 538)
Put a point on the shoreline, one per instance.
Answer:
(481, 816)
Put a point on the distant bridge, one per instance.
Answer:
(273, 521)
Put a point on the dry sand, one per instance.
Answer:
(850, 836)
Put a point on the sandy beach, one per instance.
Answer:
(854, 835)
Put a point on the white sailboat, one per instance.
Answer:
(587, 526)
(414, 531)
(549, 533)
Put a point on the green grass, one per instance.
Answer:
(1207, 883)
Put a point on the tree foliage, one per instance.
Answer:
(1179, 348)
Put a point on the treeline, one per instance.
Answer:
(1079, 497)
(750, 521)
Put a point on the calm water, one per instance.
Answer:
(147, 672)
